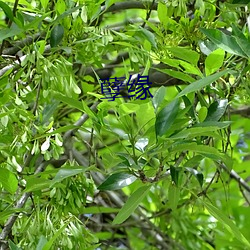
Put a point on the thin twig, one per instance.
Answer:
(148, 14)
(20, 203)
(79, 123)
(235, 176)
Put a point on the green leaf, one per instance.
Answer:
(216, 110)
(223, 41)
(219, 125)
(177, 74)
(33, 183)
(49, 110)
(9, 32)
(214, 61)
(8, 180)
(149, 36)
(66, 172)
(227, 223)
(117, 181)
(244, 45)
(128, 108)
(68, 12)
(162, 12)
(56, 35)
(173, 196)
(204, 150)
(202, 113)
(41, 243)
(13, 246)
(245, 2)
(7, 10)
(198, 175)
(9, 211)
(70, 101)
(174, 172)
(44, 3)
(49, 244)
(193, 132)
(186, 54)
(132, 203)
(166, 117)
(98, 210)
(158, 97)
(198, 85)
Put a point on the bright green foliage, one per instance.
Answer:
(78, 171)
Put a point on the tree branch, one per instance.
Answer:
(20, 203)
(235, 176)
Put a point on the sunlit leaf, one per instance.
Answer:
(185, 54)
(223, 41)
(214, 61)
(198, 85)
(8, 180)
(117, 181)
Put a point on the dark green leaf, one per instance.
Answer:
(219, 125)
(198, 85)
(117, 181)
(8, 180)
(49, 110)
(149, 36)
(70, 101)
(166, 117)
(56, 35)
(194, 161)
(13, 246)
(193, 132)
(7, 10)
(98, 210)
(245, 2)
(9, 32)
(64, 173)
(198, 175)
(177, 74)
(132, 203)
(223, 41)
(174, 172)
(216, 110)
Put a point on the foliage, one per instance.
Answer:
(163, 170)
